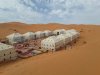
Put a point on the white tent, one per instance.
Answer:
(59, 31)
(65, 38)
(7, 52)
(39, 34)
(15, 38)
(74, 33)
(55, 42)
(51, 43)
(47, 33)
(29, 36)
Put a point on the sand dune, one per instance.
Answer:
(82, 59)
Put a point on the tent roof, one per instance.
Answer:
(52, 39)
(63, 36)
(14, 35)
(29, 33)
(72, 31)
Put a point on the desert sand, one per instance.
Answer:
(82, 59)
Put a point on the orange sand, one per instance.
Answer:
(82, 59)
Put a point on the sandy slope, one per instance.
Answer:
(82, 59)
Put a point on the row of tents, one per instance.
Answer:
(17, 37)
(55, 42)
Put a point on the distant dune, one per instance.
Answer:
(7, 28)
(82, 59)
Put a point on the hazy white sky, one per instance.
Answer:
(50, 11)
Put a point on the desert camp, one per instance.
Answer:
(50, 37)
(34, 43)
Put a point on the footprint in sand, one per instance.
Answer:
(1, 72)
(84, 42)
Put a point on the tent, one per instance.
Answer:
(39, 34)
(7, 52)
(51, 43)
(75, 34)
(65, 38)
(47, 33)
(59, 31)
(15, 38)
(29, 36)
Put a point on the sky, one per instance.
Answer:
(50, 11)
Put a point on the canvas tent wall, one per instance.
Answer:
(47, 33)
(7, 52)
(29, 36)
(39, 34)
(15, 38)
(75, 34)
(65, 38)
(51, 43)
(59, 31)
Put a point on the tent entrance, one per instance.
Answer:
(58, 33)
(35, 36)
